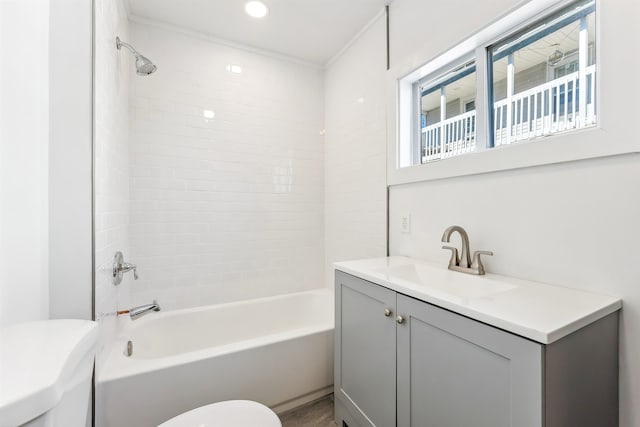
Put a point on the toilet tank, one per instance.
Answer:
(45, 373)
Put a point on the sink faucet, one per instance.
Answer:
(137, 312)
(465, 259)
(463, 263)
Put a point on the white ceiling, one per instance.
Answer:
(311, 30)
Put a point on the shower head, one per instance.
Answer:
(144, 66)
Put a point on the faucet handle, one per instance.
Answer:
(455, 260)
(120, 267)
(125, 267)
(477, 262)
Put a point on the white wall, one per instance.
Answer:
(227, 208)
(113, 71)
(574, 224)
(24, 128)
(70, 157)
(45, 160)
(355, 151)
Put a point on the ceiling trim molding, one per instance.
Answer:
(354, 39)
(228, 43)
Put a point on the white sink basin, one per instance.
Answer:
(461, 285)
(538, 311)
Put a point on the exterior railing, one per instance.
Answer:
(545, 109)
(459, 137)
(542, 110)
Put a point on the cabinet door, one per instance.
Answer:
(365, 351)
(457, 372)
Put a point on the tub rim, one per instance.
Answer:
(118, 366)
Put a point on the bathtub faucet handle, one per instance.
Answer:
(128, 267)
(120, 267)
(125, 267)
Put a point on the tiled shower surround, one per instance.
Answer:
(113, 74)
(226, 188)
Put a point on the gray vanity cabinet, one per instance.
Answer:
(453, 371)
(435, 368)
(365, 368)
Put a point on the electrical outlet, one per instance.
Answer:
(405, 223)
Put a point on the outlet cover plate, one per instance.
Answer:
(405, 223)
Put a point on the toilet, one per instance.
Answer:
(46, 369)
(236, 413)
(45, 372)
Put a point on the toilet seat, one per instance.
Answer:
(231, 413)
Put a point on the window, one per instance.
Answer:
(536, 79)
(448, 121)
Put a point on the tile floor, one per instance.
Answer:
(314, 414)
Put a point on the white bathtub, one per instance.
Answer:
(277, 351)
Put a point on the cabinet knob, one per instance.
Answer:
(400, 319)
(387, 312)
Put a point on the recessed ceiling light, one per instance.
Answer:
(256, 9)
(235, 69)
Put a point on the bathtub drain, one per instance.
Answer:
(129, 349)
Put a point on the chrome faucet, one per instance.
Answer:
(141, 310)
(463, 263)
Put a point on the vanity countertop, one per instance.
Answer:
(538, 311)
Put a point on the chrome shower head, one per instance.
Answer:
(144, 66)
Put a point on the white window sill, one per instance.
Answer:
(577, 145)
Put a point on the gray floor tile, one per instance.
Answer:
(314, 414)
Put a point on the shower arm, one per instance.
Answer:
(120, 44)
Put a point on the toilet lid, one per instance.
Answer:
(231, 413)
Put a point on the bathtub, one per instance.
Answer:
(276, 350)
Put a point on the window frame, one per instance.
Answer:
(575, 145)
(459, 69)
(558, 20)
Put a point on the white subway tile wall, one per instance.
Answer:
(113, 72)
(355, 156)
(226, 189)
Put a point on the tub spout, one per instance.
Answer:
(140, 311)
